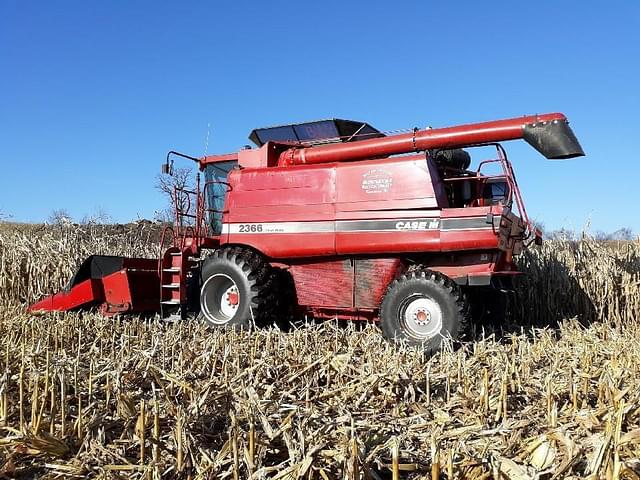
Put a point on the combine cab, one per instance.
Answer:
(336, 219)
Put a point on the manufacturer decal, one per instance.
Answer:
(376, 181)
(418, 225)
(250, 228)
(424, 223)
(278, 227)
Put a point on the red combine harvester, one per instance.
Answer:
(336, 219)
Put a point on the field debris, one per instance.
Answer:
(83, 395)
(554, 395)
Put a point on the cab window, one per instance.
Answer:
(216, 190)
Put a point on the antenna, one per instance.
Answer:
(206, 141)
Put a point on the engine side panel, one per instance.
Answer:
(344, 283)
(324, 284)
(372, 277)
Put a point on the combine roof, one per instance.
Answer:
(321, 131)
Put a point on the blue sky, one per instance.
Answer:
(93, 94)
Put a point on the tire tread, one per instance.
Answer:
(444, 283)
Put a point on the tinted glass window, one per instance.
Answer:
(316, 130)
(278, 134)
(215, 175)
(497, 192)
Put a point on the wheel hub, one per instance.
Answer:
(229, 301)
(421, 317)
(219, 299)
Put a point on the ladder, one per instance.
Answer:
(179, 262)
(175, 268)
(172, 285)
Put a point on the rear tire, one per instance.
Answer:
(422, 308)
(235, 289)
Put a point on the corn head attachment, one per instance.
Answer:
(112, 284)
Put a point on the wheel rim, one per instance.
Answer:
(421, 317)
(219, 299)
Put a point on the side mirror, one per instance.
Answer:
(167, 168)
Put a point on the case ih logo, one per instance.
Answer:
(418, 225)
(376, 181)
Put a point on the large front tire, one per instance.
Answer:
(423, 308)
(235, 283)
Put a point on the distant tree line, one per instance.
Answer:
(621, 234)
(61, 216)
(4, 216)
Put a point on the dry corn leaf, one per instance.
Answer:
(543, 455)
(512, 470)
(630, 437)
(46, 444)
(126, 408)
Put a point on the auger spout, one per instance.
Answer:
(549, 134)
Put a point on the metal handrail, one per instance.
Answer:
(505, 175)
(180, 211)
(166, 229)
(204, 193)
(509, 176)
(519, 201)
(204, 207)
(508, 169)
(184, 236)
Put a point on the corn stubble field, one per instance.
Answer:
(555, 396)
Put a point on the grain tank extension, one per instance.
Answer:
(336, 219)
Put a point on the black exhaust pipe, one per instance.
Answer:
(554, 139)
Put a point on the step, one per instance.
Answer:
(171, 270)
(170, 302)
(171, 285)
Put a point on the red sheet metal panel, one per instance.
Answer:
(86, 292)
(391, 240)
(384, 184)
(373, 276)
(305, 210)
(131, 290)
(300, 185)
(134, 288)
(116, 292)
(144, 287)
(324, 284)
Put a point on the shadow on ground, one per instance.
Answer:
(540, 300)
